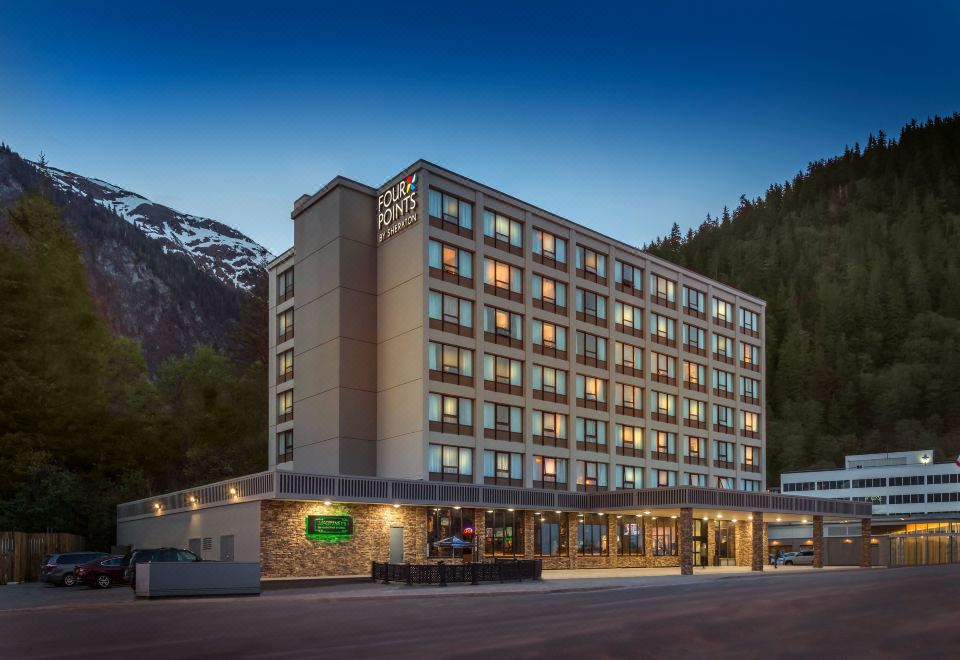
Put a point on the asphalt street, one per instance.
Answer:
(878, 613)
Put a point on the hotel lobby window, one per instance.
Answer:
(749, 323)
(549, 384)
(502, 374)
(285, 285)
(723, 313)
(549, 250)
(450, 364)
(502, 327)
(502, 468)
(452, 214)
(285, 406)
(503, 233)
(503, 280)
(663, 446)
(663, 291)
(450, 313)
(446, 522)
(285, 366)
(664, 537)
(285, 326)
(664, 478)
(663, 368)
(285, 446)
(591, 307)
(630, 535)
(450, 414)
(723, 384)
(663, 330)
(591, 265)
(629, 440)
(449, 463)
(591, 350)
(450, 263)
(694, 376)
(550, 535)
(629, 476)
(503, 533)
(629, 400)
(628, 319)
(549, 339)
(693, 303)
(663, 407)
(694, 339)
(549, 472)
(629, 359)
(591, 434)
(628, 278)
(549, 429)
(591, 392)
(592, 538)
(502, 422)
(591, 476)
(549, 294)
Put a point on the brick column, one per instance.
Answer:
(529, 536)
(573, 522)
(686, 541)
(818, 541)
(612, 556)
(865, 537)
(759, 551)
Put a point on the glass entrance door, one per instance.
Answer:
(726, 544)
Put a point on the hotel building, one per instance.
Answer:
(479, 367)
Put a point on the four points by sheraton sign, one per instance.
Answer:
(397, 208)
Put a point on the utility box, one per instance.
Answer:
(200, 578)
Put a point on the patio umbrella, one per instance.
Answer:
(454, 542)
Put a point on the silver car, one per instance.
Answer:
(802, 558)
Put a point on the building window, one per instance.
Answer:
(749, 323)
(723, 383)
(591, 265)
(749, 357)
(591, 350)
(285, 326)
(549, 472)
(663, 407)
(694, 413)
(629, 476)
(550, 535)
(663, 330)
(502, 422)
(502, 468)
(450, 364)
(449, 463)
(451, 214)
(503, 535)
(750, 485)
(725, 483)
(285, 446)
(629, 400)
(285, 366)
(630, 536)
(749, 424)
(723, 313)
(549, 339)
(549, 429)
(592, 536)
(880, 482)
(664, 537)
(549, 250)
(502, 327)
(944, 478)
(285, 285)
(503, 233)
(450, 263)
(549, 294)
(503, 280)
(591, 392)
(450, 414)
(284, 406)
(749, 390)
(628, 319)
(663, 368)
(695, 451)
(722, 419)
(694, 479)
(591, 307)
(694, 376)
(629, 359)
(693, 302)
(663, 291)
(445, 522)
(591, 476)
(663, 446)
(549, 384)
(694, 339)
(723, 455)
(722, 348)
(751, 459)
(664, 478)
(629, 440)
(501, 374)
(628, 279)
(591, 434)
(450, 313)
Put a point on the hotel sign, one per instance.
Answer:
(329, 527)
(397, 208)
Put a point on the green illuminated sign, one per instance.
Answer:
(329, 527)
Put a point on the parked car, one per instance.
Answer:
(154, 554)
(802, 558)
(58, 568)
(102, 573)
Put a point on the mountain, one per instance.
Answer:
(167, 279)
(859, 261)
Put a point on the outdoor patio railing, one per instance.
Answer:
(442, 573)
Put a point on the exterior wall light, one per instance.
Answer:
(157, 506)
(456, 508)
(779, 519)
(556, 511)
(233, 491)
(804, 521)
(673, 517)
(489, 510)
(646, 513)
(396, 506)
(327, 503)
(507, 509)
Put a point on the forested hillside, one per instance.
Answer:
(859, 261)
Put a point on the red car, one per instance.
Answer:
(102, 572)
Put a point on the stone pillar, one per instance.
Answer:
(865, 537)
(612, 556)
(711, 526)
(686, 541)
(818, 541)
(529, 535)
(759, 550)
(573, 523)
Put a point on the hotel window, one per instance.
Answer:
(664, 478)
(450, 313)
(504, 533)
(694, 479)
(450, 263)
(693, 303)
(722, 419)
(663, 446)
(591, 476)
(502, 327)
(549, 472)
(628, 319)
(550, 535)
(443, 523)
(503, 280)
(285, 285)
(723, 383)
(591, 265)
(663, 368)
(452, 214)
(285, 446)
(450, 414)
(285, 406)
(591, 350)
(502, 422)
(944, 478)
(694, 376)
(502, 232)
(664, 537)
(591, 434)
(749, 424)
(449, 463)
(627, 278)
(549, 294)
(751, 459)
(907, 499)
(501, 374)
(663, 407)
(749, 357)
(694, 339)
(549, 250)
(722, 348)
(725, 483)
(285, 326)
(880, 482)
(549, 339)
(450, 364)
(630, 535)
(723, 455)
(749, 390)
(285, 366)
(663, 330)
(629, 400)
(591, 307)
(694, 413)
(749, 322)
(629, 440)
(549, 429)
(750, 485)
(591, 392)
(629, 476)
(549, 384)
(502, 468)
(592, 536)
(723, 313)
(695, 451)
(663, 291)
(629, 359)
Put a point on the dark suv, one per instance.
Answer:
(58, 568)
(155, 554)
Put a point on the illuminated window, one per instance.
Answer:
(662, 289)
(547, 245)
(664, 537)
(502, 228)
(449, 208)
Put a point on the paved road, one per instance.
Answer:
(881, 613)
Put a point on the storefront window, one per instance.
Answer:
(630, 535)
(592, 538)
(446, 522)
(503, 535)
(664, 537)
(550, 535)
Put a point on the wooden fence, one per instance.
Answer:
(22, 554)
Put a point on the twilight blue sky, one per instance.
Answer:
(624, 119)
